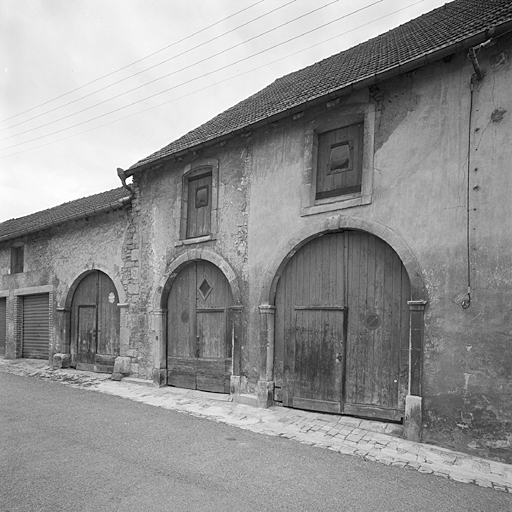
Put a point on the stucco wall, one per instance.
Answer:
(420, 194)
(161, 248)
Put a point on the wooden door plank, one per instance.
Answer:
(86, 336)
(318, 375)
(109, 318)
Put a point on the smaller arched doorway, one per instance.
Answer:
(199, 329)
(95, 323)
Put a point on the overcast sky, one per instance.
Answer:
(77, 99)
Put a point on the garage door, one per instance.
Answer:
(36, 326)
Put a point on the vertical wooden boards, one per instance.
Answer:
(361, 274)
(86, 334)
(317, 382)
(339, 168)
(310, 282)
(199, 206)
(181, 330)
(377, 342)
(3, 324)
(109, 317)
(95, 295)
(36, 326)
(199, 343)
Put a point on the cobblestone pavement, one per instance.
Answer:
(372, 440)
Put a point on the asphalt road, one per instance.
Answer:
(68, 449)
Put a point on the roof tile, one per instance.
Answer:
(59, 214)
(452, 23)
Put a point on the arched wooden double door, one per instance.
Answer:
(95, 323)
(199, 330)
(342, 328)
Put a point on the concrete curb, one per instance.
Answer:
(374, 441)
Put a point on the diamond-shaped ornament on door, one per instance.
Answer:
(205, 289)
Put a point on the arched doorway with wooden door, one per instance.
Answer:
(199, 328)
(342, 327)
(95, 323)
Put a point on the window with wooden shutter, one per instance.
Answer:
(340, 159)
(198, 197)
(199, 205)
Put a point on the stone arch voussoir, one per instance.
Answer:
(176, 265)
(338, 223)
(68, 294)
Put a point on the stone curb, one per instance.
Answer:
(374, 441)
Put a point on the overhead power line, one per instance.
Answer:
(138, 73)
(196, 78)
(135, 62)
(182, 69)
(216, 83)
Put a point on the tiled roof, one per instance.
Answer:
(439, 29)
(84, 207)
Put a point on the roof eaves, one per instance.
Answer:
(89, 212)
(365, 81)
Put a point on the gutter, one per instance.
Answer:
(91, 212)
(386, 74)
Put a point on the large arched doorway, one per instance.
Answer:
(95, 323)
(342, 327)
(199, 329)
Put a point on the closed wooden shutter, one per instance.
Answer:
(3, 325)
(36, 326)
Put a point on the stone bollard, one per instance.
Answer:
(122, 368)
(61, 360)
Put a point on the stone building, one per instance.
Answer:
(338, 242)
(63, 278)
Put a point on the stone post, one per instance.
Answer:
(266, 381)
(62, 355)
(234, 322)
(413, 401)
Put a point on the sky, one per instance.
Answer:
(92, 85)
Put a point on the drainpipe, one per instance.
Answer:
(478, 75)
(472, 54)
(122, 176)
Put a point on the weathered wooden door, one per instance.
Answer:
(199, 329)
(342, 328)
(95, 323)
(315, 357)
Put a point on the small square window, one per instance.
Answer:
(339, 168)
(17, 259)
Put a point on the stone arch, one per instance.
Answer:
(164, 286)
(289, 247)
(159, 312)
(68, 294)
(419, 296)
(65, 319)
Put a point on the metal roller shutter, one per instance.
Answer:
(36, 326)
(3, 325)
